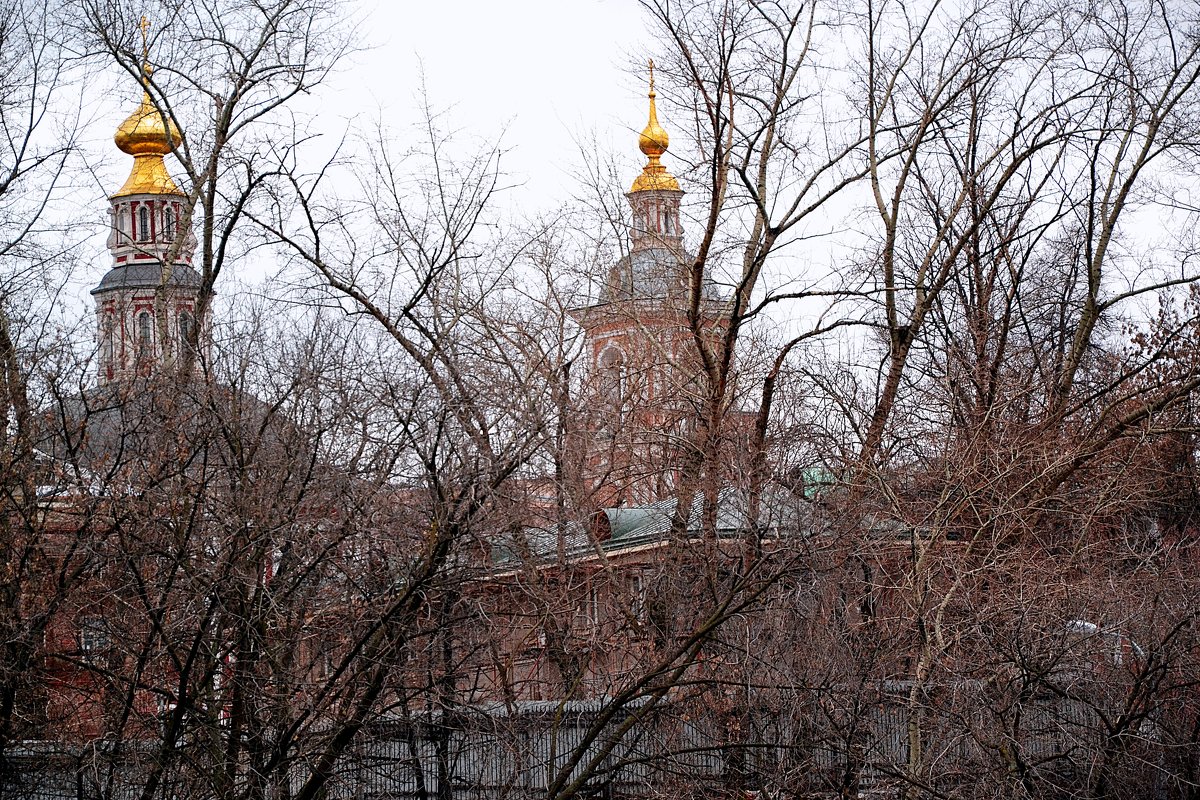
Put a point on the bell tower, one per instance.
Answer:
(643, 368)
(151, 248)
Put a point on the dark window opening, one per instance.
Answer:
(107, 341)
(93, 635)
(186, 323)
(613, 361)
(144, 333)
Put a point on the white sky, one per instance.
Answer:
(545, 73)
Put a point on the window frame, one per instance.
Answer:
(145, 330)
(143, 224)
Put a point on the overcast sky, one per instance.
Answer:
(539, 73)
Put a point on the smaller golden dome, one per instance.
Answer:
(146, 137)
(653, 142)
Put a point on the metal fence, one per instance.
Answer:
(523, 751)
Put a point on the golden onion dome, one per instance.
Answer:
(653, 142)
(147, 137)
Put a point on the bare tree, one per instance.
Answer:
(932, 535)
(37, 247)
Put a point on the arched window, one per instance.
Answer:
(168, 224)
(186, 323)
(143, 324)
(612, 361)
(143, 224)
(123, 221)
(106, 341)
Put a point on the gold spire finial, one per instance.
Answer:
(145, 26)
(147, 136)
(653, 143)
(147, 70)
